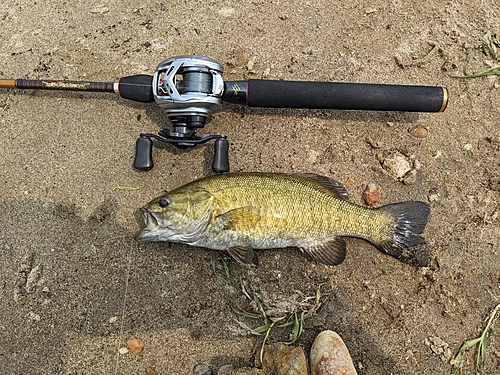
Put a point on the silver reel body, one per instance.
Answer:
(189, 85)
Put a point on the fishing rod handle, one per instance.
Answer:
(337, 95)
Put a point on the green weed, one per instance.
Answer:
(492, 43)
(481, 342)
(126, 188)
(290, 314)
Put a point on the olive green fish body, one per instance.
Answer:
(244, 211)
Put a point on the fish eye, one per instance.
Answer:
(164, 202)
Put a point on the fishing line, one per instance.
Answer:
(124, 306)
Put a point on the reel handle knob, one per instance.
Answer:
(143, 154)
(221, 156)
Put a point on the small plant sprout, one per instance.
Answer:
(492, 43)
(291, 312)
(481, 342)
(126, 188)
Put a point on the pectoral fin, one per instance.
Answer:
(242, 218)
(331, 253)
(244, 255)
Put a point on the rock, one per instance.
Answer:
(397, 164)
(371, 194)
(280, 359)
(410, 178)
(248, 371)
(225, 370)
(419, 132)
(433, 197)
(251, 63)
(439, 348)
(329, 356)
(135, 345)
(202, 369)
(123, 350)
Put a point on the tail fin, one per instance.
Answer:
(406, 245)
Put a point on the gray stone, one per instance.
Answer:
(202, 369)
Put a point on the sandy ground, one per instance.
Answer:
(68, 262)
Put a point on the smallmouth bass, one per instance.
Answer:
(240, 212)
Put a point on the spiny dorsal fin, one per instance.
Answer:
(331, 252)
(240, 218)
(244, 255)
(335, 187)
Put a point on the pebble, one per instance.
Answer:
(251, 63)
(419, 132)
(123, 350)
(113, 319)
(202, 369)
(467, 147)
(433, 197)
(280, 359)
(440, 348)
(410, 178)
(135, 345)
(349, 181)
(329, 356)
(397, 164)
(100, 9)
(371, 194)
(225, 370)
(438, 154)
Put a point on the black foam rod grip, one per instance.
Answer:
(341, 95)
(221, 156)
(143, 154)
(138, 88)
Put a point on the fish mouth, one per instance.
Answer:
(152, 220)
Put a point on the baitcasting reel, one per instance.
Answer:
(190, 88)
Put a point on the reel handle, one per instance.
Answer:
(143, 154)
(221, 156)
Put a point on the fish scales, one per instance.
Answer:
(291, 205)
(244, 211)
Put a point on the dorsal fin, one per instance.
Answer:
(335, 187)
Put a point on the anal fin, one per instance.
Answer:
(331, 252)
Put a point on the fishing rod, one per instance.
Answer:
(190, 88)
